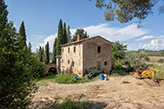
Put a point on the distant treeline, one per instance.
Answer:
(152, 52)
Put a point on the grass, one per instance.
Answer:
(69, 79)
(69, 103)
(47, 78)
(157, 67)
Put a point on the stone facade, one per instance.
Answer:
(86, 55)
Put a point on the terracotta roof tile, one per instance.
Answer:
(82, 40)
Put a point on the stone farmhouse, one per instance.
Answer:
(86, 55)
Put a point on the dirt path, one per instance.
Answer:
(124, 92)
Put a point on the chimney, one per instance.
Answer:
(79, 37)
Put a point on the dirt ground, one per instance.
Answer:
(123, 92)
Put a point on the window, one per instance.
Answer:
(68, 61)
(72, 64)
(62, 60)
(98, 49)
(98, 66)
(74, 49)
(68, 49)
(105, 63)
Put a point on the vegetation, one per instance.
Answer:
(154, 53)
(80, 32)
(161, 60)
(135, 59)
(118, 51)
(54, 51)
(126, 10)
(22, 36)
(69, 35)
(18, 66)
(67, 79)
(47, 58)
(118, 65)
(69, 103)
(59, 38)
(64, 38)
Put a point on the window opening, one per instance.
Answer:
(74, 49)
(98, 49)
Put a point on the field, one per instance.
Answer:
(120, 92)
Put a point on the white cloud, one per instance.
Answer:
(129, 32)
(113, 33)
(153, 45)
(49, 39)
(145, 38)
(106, 31)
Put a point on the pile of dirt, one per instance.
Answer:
(151, 82)
(161, 83)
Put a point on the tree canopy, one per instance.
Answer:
(118, 50)
(126, 10)
(22, 35)
(81, 32)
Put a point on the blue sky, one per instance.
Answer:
(41, 18)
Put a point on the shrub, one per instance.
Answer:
(161, 60)
(118, 65)
(147, 59)
(69, 78)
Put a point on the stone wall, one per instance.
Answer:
(69, 57)
(92, 57)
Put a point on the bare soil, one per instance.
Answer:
(154, 60)
(123, 92)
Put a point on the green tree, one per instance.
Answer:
(64, 34)
(69, 35)
(47, 53)
(3, 15)
(135, 59)
(59, 39)
(29, 47)
(41, 54)
(126, 10)
(118, 50)
(22, 36)
(81, 32)
(54, 51)
(18, 67)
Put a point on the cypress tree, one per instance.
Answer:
(40, 53)
(59, 39)
(22, 36)
(54, 51)
(29, 47)
(47, 53)
(3, 15)
(68, 35)
(64, 34)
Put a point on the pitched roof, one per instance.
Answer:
(82, 40)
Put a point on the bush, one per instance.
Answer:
(161, 60)
(69, 78)
(147, 59)
(118, 65)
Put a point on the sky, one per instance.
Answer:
(41, 19)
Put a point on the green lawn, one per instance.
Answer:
(47, 78)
